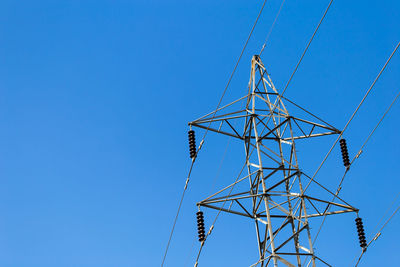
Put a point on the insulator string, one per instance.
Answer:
(345, 152)
(361, 233)
(192, 143)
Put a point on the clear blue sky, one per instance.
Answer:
(95, 97)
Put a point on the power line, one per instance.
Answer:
(354, 113)
(177, 213)
(205, 133)
(340, 135)
(356, 157)
(387, 211)
(308, 45)
(302, 56)
(234, 69)
(375, 237)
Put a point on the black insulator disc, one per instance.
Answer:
(192, 143)
(345, 153)
(361, 234)
(200, 226)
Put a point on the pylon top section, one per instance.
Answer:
(271, 193)
(264, 102)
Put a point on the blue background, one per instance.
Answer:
(95, 97)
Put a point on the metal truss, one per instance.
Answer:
(271, 193)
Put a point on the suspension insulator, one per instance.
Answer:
(192, 144)
(200, 226)
(361, 234)
(345, 152)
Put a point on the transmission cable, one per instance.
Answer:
(352, 116)
(340, 135)
(351, 163)
(308, 45)
(387, 211)
(301, 59)
(205, 133)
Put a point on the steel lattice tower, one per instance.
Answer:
(273, 191)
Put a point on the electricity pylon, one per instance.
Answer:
(273, 191)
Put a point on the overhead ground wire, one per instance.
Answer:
(301, 59)
(271, 28)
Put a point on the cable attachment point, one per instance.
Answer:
(210, 230)
(200, 226)
(192, 144)
(376, 236)
(201, 144)
(345, 153)
(361, 234)
(186, 183)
